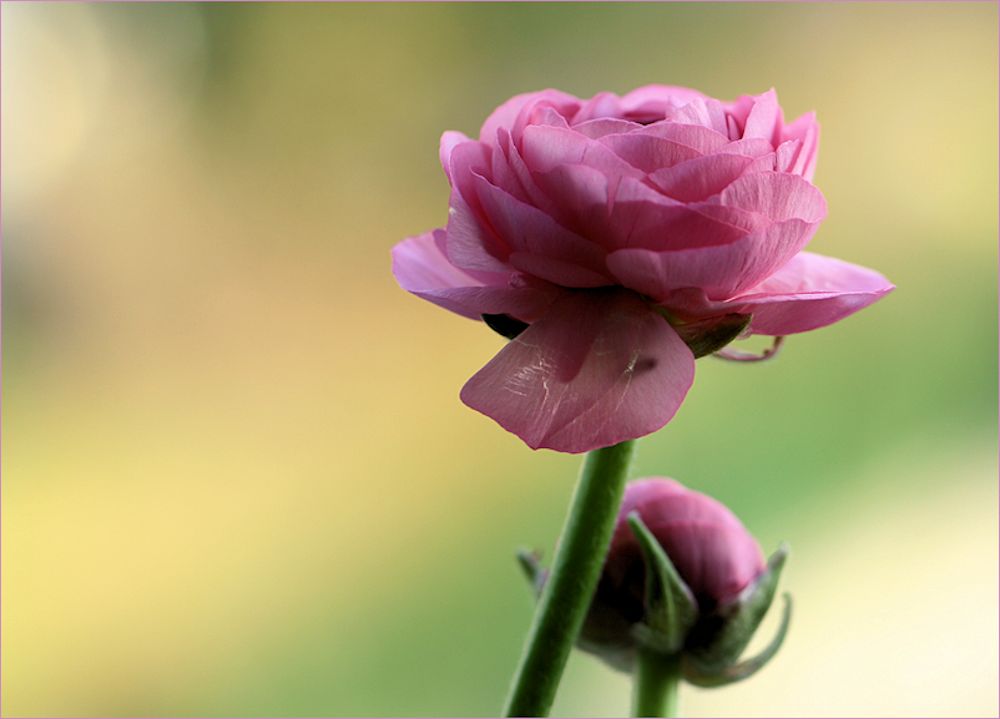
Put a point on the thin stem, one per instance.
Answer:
(657, 678)
(576, 568)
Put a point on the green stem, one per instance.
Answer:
(657, 678)
(576, 568)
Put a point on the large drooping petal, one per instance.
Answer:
(421, 267)
(809, 292)
(598, 368)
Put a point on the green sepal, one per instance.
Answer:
(738, 620)
(708, 336)
(670, 606)
(700, 676)
(531, 564)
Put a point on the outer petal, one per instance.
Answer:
(545, 148)
(603, 104)
(764, 120)
(806, 130)
(648, 152)
(700, 138)
(421, 267)
(620, 212)
(661, 95)
(809, 292)
(449, 141)
(700, 177)
(777, 195)
(471, 245)
(530, 233)
(601, 126)
(720, 270)
(507, 114)
(465, 160)
(597, 369)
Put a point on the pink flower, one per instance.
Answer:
(625, 232)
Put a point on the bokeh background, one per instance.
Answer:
(237, 478)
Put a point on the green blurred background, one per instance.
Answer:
(237, 478)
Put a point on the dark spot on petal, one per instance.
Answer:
(645, 364)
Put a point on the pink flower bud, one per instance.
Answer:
(710, 548)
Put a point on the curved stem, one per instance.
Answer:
(657, 677)
(576, 568)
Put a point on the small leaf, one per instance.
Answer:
(671, 610)
(698, 676)
(740, 618)
(531, 565)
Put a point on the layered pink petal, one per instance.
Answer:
(597, 369)
(809, 292)
(507, 114)
(471, 245)
(764, 119)
(449, 141)
(777, 195)
(421, 267)
(664, 224)
(721, 271)
(518, 168)
(601, 126)
(648, 152)
(699, 111)
(750, 146)
(702, 139)
(619, 212)
(805, 129)
(603, 104)
(701, 177)
(785, 155)
(658, 96)
(545, 148)
(528, 232)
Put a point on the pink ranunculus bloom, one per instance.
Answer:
(628, 235)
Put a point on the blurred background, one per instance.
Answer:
(237, 477)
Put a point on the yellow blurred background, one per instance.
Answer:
(237, 478)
